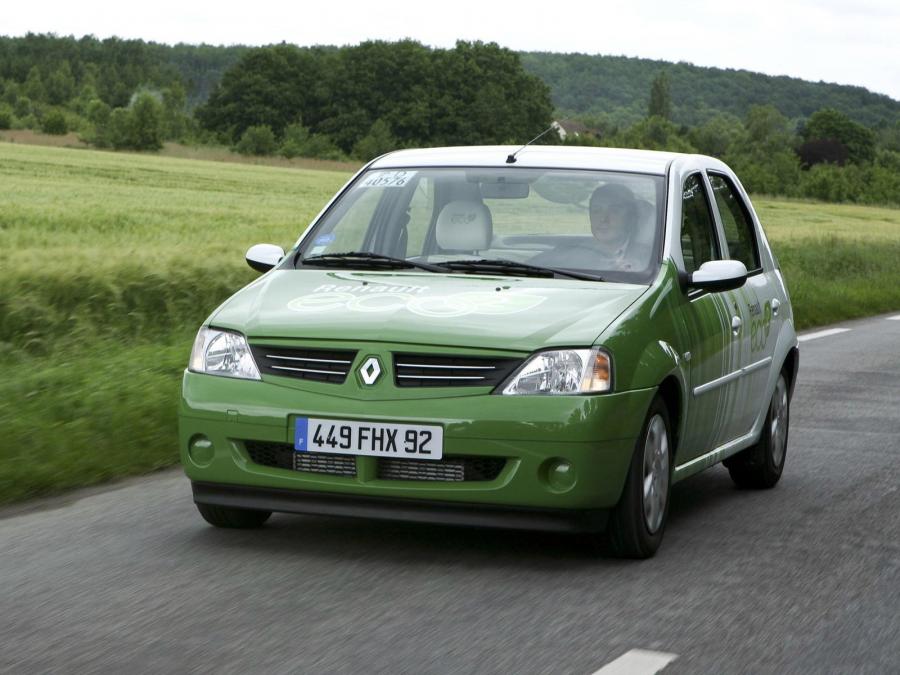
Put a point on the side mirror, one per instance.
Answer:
(719, 275)
(263, 257)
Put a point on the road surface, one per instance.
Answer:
(802, 578)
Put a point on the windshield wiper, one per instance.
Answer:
(351, 258)
(500, 265)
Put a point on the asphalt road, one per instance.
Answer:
(802, 578)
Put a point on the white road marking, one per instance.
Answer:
(821, 334)
(637, 662)
(894, 318)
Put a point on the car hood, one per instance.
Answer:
(515, 313)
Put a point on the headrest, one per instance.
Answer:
(464, 226)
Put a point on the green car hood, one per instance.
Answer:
(515, 313)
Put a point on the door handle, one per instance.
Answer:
(736, 324)
(775, 305)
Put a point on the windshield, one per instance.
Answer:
(603, 224)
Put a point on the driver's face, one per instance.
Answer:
(608, 220)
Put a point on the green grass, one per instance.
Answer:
(88, 414)
(109, 262)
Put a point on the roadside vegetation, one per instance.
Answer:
(110, 261)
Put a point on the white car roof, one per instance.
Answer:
(534, 156)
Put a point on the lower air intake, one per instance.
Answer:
(283, 456)
(449, 469)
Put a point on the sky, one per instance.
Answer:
(849, 42)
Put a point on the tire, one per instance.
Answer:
(759, 466)
(638, 521)
(226, 516)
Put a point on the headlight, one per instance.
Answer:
(223, 352)
(565, 371)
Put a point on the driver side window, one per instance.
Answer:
(698, 234)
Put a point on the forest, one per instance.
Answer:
(782, 135)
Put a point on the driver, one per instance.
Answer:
(614, 217)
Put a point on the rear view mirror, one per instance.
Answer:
(263, 257)
(719, 275)
(504, 190)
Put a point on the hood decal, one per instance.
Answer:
(414, 299)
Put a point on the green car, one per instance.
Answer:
(542, 339)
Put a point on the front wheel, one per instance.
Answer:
(760, 465)
(638, 521)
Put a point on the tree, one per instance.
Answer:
(818, 151)
(269, 86)
(60, 85)
(175, 122)
(146, 123)
(34, 85)
(718, 135)
(660, 98)
(378, 141)
(118, 132)
(475, 93)
(830, 125)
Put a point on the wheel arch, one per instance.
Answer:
(671, 392)
(791, 366)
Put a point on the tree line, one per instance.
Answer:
(360, 101)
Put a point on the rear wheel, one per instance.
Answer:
(760, 466)
(638, 521)
(226, 516)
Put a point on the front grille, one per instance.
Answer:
(448, 469)
(427, 370)
(333, 465)
(283, 456)
(320, 365)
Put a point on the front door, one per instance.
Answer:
(713, 351)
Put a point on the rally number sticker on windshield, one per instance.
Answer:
(387, 179)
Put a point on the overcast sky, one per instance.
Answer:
(849, 42)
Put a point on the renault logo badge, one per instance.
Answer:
(370, 370)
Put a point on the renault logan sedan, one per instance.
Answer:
(541, 340)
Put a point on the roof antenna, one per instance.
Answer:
(511, 159)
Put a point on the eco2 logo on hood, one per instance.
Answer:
(415, 299)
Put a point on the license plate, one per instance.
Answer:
(373, 439)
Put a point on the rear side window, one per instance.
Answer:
(736, 222)
(698, 234)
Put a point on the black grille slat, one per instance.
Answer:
(449, 469)
(452, 468)
(319, 365)
(283, 456)
(333, 465)
(278, 455)
(428, 370)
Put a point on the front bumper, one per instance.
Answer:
(408, 510)
(594, 434)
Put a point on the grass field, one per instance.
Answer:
(109, 262)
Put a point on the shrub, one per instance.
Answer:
(296, 136)
(257, 140)
(6, 118)
(54, 122)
